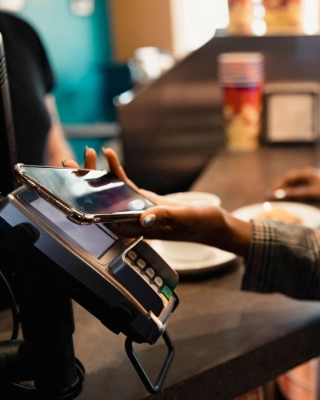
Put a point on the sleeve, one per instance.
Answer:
(27, 40)
(283, 258)
(47, 73)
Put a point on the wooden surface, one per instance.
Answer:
(227, 342)
(244, 178)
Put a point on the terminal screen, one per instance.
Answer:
(95, 239)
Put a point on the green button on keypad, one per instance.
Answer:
(167, 292)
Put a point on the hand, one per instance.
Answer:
(195, 222)
(173, 220)
(298, 184)
(90, 162)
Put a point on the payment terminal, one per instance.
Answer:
(125, 284)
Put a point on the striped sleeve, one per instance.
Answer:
(283, 258)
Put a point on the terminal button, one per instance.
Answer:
(158, 281)
(132, 255)
(166, 291)
(150, 272)
(141, 263)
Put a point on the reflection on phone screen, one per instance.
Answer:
(89, 191)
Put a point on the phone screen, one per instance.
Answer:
(89, 191)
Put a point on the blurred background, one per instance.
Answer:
(92, 44)
(140, 75)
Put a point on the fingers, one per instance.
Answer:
(303, 183)
(159, 222)
(289, 180)
(160, 200)
(160, 217)
(296, 177)
(70, 164)
(90, 161)
(90, 158)
(301, 193)
(188, 223)
(114, 163)
(116, 167)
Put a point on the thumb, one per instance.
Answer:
(175, 221)
(159, 215)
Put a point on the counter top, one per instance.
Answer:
(242, 178)
(226, 341)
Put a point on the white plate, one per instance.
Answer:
(194, 263)
(187, 197)
(309, 215)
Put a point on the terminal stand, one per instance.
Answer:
(42, 364)
(44, 358)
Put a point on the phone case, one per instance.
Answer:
(72, 213)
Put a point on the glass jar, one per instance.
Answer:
(240, 16)
(283, 16)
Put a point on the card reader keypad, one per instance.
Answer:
(148, 274)
(145, 275)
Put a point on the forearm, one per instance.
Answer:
(283, 259)
(57, 146)
(238, 235)
(220, 229)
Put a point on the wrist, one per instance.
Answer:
(239, 234)
(221, 229)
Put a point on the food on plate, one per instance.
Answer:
(280, 214)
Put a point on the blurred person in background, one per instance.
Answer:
(39, 136)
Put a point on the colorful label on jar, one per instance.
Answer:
(242, 116)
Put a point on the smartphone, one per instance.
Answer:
(85, 196)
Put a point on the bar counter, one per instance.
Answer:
(227, 342)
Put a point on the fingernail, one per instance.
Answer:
(63, 162)
(280, 194)
(148, 220)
